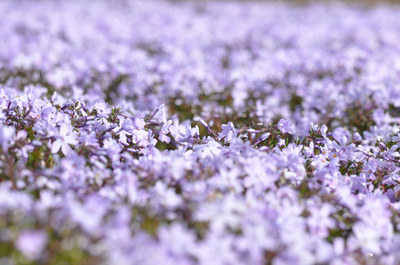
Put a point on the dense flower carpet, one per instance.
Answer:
(149, 132)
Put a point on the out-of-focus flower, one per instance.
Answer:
(31, 243)
(6, 135)
(368, 238)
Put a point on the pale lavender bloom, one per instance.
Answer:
(6, 136)
(64, 138)
(359, 183)
(158, 113)
(323, 130)
(210, 149)
(48, 199)
(164, 131)
(89, 139)
(392, 153)
(126, 125)
(284, 126)
(113, 149)
(178, 240)
(261, 174)
(167, 196)
(367, 150)
(124, 129)
(152, 140)
(320, 160)
(123, 139)
(89, 214)
(140, 137)
(371, 165)
(73, 163)
(368, 238)
(309, 150)
(218, 250)
(13, 200)
(102, 109)
(343, 151)
(314, 127)
(227, 179)
(396, 138)
(228, 132)
(320, 221)
(138, 121)
(258, 236)
(32, 243)
(184, 133)
(222, 213)
(380, 117)
(339, 134)
(294, 160)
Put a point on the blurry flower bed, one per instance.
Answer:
(148, 132)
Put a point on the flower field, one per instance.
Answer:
(152, 132)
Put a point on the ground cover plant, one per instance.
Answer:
(148, 132)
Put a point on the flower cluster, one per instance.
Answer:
(121, 143)
(270, 65)
(96, 179)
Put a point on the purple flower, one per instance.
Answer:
(320, 220)
(178, 240)
(284, 126)
(185, 133)
(210, 149)
(368, 238)
(89, 139)
(164, 131)
(392, 152)
(64, 138)
(138, 121)
(6, 135)
(228, 132)
(31, 243)
(89, 214)
(166, 195)
(396, 138)
(339, 134)
(309, 150)
(343, 151)
(102, 109)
